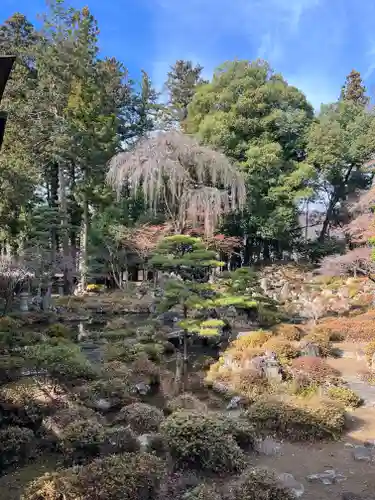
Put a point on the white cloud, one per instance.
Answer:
(198, 29)
(182, 26)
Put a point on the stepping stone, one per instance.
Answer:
(363, 454)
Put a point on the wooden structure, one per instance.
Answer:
(6, 65)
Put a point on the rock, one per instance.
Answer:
(169, 318)
(363, 454)
(220, 388)
(234, 403)
(102, 404)
(264, 285)
(349, 445)
(288, 481)
(285, 292)
(329, 476)
(142, 389)
(144, 441)
(268, 446)
(370, 443)
(310, 349)
(231, 312)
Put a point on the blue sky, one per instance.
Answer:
(313, 43)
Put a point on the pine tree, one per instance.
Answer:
(191, 263)
(182, 82)
(354, 90)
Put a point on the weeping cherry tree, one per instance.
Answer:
(192, 183)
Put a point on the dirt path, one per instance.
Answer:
(303, 460)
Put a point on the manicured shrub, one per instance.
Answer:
(8, 324)
(23, 403)
(252, 340)
(60, 331)
(328, 331)
(359, 328)
(243, 356)
(240, 428)
(117, 477)
(257, 484)
(59, 421)
(204, 492)
(11, 367)
(82, 438)
(284, 350)
(115, 369)
(199, 441)
(370, 351)
(249, 384)
(317, 370)
(142, 418)
(186, 401)
(63, 362)
(367, 376)
(122, 477)
(145, 370)
(16, 340)
(321, 341)
(298, 420)
(116, 392)
(119, 439)
(53, 486)
(345, 395)
(288, 332)
(16, 445)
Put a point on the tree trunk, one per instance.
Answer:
(65, 232)
(53, 203)
(83, 242)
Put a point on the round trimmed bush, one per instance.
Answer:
(322, 342)
(204, 492)
(60, 331)
(142, 418)
(22, 404)
(115, 391)
(59, 421)
(16, 445)
(297, 420)
(82, 438)
(119, 440)
(8, 324)
(117, 477)
(63, 362)
(370, 351)
(11, 367)
(289, 332)
(240, 428)
(145, 370)
(186, 401)
(258, 484)
(284, 350)
(317, 370)
(121, 477)
(53, 486)
(345, 396)
(200, 441)
(252, 340)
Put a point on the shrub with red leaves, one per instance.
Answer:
(316, 369)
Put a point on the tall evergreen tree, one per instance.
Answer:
(354, 90)
(183, 80)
